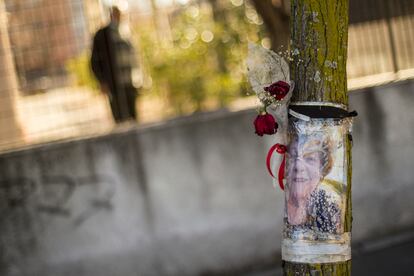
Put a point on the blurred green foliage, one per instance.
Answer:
(203, 67)
(79, 67)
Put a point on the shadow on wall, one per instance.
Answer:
(375, 122)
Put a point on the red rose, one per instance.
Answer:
(278, 89)
(265, 124)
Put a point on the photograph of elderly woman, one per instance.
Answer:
(315, 192)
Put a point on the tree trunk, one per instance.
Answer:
(219, 16)
(162, 25)
(319, 34)
(319, 37)
(276, 20)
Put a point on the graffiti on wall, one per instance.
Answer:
(74, 198)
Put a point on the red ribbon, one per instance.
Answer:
(281, 149)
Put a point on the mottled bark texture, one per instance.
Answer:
(319, 38)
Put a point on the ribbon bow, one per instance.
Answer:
(281, 149)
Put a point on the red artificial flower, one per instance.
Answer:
(265, 124)
(278, 89)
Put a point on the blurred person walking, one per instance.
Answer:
(113, 63)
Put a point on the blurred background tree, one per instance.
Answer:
(275, 15)
(193, 52)
(201, 66)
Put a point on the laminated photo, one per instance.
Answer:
(315, 192)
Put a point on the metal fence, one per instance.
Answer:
(45, 44)
(381, 37)
(40, 101)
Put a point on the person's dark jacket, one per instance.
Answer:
(112, 60)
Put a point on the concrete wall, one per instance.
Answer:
(383, 169)
(188, 196)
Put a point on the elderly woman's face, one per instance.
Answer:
(305, 167)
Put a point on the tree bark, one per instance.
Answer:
(319, 37)
(319, 34)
